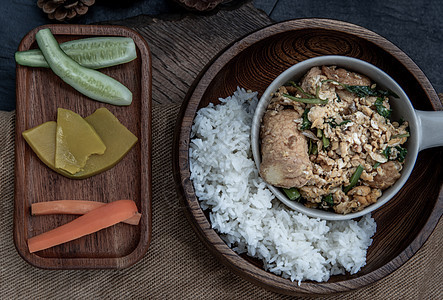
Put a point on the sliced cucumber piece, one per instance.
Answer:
(93, 53)
(31, 58)
(91, 83)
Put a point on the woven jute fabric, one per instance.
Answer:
(177, 265)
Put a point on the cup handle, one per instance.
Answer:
(430, 128)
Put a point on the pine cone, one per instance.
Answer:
(64, 9)
(200, 5)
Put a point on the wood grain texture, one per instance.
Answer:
(39, 93)
(180, 51)
(403, 225)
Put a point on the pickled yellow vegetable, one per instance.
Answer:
(116, 137)
(41, 139)
(75, 141)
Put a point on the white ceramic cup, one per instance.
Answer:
(426, 127)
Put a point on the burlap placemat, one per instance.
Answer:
(177, 265)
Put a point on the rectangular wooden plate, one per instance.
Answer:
(39, 93)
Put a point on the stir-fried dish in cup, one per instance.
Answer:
(329, 142)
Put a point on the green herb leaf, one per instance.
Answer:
(401, 135)
(329, 200)
(292, 193)
(301, 90)
(334, 124)
(387, 93)
(306, 124)
(401, 155)
(306, 100)
(354, 179)
(312, 148)
(381, 109)
(325, 141)
(387, 152)
(361, 90)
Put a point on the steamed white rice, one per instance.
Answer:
(246, 215)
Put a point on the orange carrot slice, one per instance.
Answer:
(73, 207)
(93, 221)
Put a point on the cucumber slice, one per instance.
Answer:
(93, 53)
(31, 58)
(91, 83)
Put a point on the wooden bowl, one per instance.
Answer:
(403, 225)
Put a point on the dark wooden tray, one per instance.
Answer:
(403, 225)
(39, 93)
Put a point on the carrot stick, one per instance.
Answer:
(95, 220)
(73, 207)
